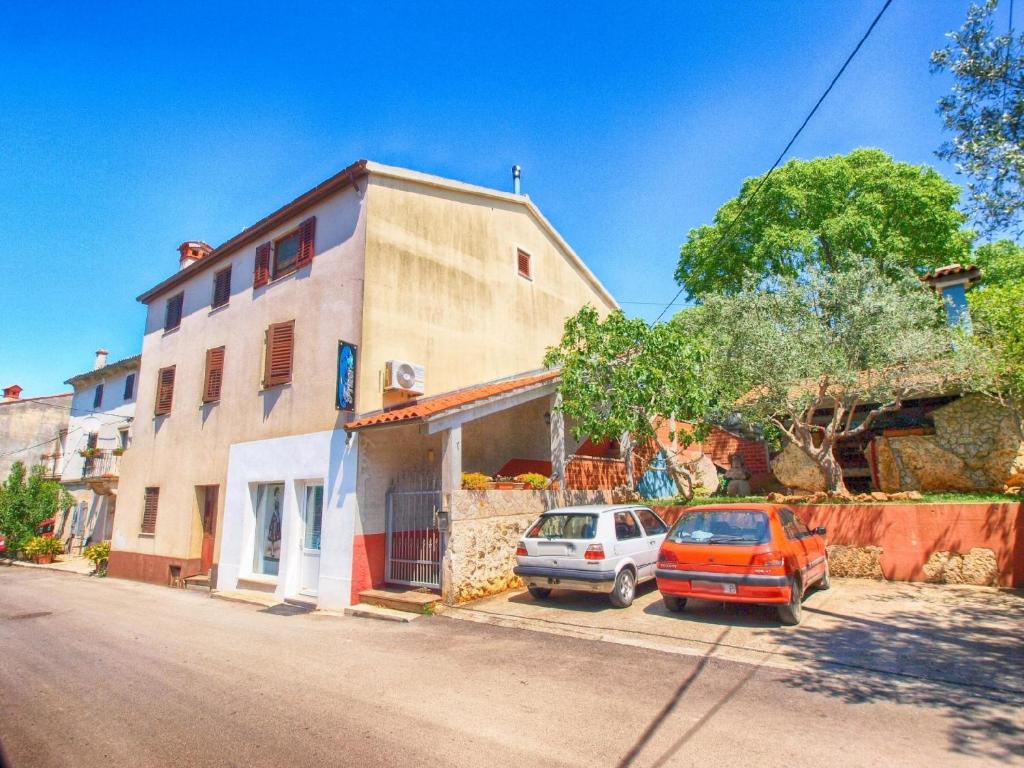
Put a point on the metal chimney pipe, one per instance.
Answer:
(516, 170)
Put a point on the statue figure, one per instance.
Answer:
(738, 476)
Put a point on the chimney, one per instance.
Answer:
(101, 359)
(516, 171)
(192, 251)
(12, 392)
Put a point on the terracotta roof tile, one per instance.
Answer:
(418, 410)
(950, 269)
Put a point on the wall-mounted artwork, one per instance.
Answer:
(345, 399)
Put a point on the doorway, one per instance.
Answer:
(208, 512)
(312, 513)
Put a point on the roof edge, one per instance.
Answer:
(118, 365)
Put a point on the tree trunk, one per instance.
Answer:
(627, 454)
(679, 472)
(833, 473)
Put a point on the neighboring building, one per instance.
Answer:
(374, 288)
(99, 432)
(32, 430)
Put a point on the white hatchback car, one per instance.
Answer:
(598, 548)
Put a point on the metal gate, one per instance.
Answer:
(414, 544)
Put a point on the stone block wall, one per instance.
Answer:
(484, 528)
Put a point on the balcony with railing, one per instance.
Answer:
(101, 468)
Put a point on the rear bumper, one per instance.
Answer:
(750, 587)
(565, 578)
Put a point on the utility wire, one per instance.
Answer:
(782, 154)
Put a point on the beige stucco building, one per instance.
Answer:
(239, 458)
(32, 430)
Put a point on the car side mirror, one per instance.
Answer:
(820, 530)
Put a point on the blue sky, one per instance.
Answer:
(126, 129)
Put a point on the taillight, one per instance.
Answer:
(667, 556)
(521, 550)
(594, 552)
(768, 560)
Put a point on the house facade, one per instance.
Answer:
(98, 434)
(32, 430)
(379, 287)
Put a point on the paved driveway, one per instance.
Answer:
(925, 634)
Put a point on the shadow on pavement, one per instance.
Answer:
(965, 661)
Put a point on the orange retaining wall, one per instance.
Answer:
(909, 533)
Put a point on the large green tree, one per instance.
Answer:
(820, 358)
(831, 213)
(619, 375)
(985, 113)
(26, 499)
(997, 308)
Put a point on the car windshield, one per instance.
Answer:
(567, 525)
(721, 526)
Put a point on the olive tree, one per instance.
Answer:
(620, 375)
(820, 358)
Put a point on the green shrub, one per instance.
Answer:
(474, 481)
(99, 554)
(43, 545)
(535, 480)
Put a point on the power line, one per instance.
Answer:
(782, 154)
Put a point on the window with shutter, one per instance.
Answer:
(214, 374)
(164, 391)
(286, 254)
(149, 510)
(307, 234)
(97, 397)
(221, 288)
(280, 345)
(261, 274)
(524, 264)
(129, 386)
(172, 317)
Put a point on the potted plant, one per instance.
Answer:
(475, 481)
(99, 554)
(89, 453)
(533, 480)
(503, 483)
(42, 549)
(119, 451)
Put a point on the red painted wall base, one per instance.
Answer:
(368, 553)
(152, 568)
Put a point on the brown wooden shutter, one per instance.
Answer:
(164, 391)
(172, 317)
(214, 374)
(280, 347)
(149, 510)
(524, 264)
(261, 275)
(221, 288)
(307, 234)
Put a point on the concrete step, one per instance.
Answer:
(302, 601)
(367, 611)
(407, 600)
(200, 581)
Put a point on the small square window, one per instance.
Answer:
(525, 267)
(286, 254)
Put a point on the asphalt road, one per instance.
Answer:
(106, 672)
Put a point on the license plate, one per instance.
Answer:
(714, 586)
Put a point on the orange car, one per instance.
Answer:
(742, 553)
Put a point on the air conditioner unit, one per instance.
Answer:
(404, 377)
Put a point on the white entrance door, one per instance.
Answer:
(313, 512)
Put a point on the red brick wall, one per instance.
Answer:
(152, 568)
(909, 533)
(721, 445)
(586, 473)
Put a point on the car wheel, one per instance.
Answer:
(539, 592)
(624, 589)
(826, 578)
(673, 603)
(790, 612)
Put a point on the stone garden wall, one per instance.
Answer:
(485, 527)
(977, 445)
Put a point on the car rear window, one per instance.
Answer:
(725, 526)
(564, 526)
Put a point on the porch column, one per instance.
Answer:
(451, 480)
(557, 439)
